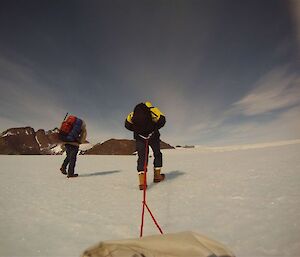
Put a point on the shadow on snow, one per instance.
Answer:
(100, 173)
(169, 176)
(174, 174)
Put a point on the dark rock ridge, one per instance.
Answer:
(25, 140)
(164, 145)
(119, 147)
(113, 147)
(186, 146)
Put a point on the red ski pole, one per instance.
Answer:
(144, 187)
(144, 193)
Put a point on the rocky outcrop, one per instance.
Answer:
(19, 141)
(119, 147)
(113, 147)
(186, 146)
(25, 140)
(164, 145)
(47, 140)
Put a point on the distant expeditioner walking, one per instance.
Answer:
(73, 133)
(145, 121)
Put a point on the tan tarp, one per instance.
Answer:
(184, 244)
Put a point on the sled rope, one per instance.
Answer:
(144, 194)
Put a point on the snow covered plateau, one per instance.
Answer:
(247, 198)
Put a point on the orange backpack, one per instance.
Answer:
(67, 125)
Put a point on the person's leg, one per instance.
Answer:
(141, 149)
(63, 168)
(155, 145)
(73, 157)
(157, 162)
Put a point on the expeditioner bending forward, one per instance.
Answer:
(145, 121)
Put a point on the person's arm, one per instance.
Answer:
(128, 122)
(161, 122)
(158, 117)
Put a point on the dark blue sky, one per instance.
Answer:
(222, 71)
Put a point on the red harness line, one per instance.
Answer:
(144, 193)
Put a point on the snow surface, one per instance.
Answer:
(58, 149)
(247, 199)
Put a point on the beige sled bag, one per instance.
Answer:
(184, 244)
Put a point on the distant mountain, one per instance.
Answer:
(164, 145)
(113, 147)
(26, 140)
(119, 147)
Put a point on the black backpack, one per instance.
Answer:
(142, 120)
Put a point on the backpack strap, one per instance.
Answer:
(147, 137)
(156, 115)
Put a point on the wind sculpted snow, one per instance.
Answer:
(247, 199)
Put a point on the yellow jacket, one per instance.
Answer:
(155, 113)
(158, 119)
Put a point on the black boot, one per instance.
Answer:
(63, 171)
(72, 175)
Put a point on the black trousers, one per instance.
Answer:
(71, 158)
(141, 149)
